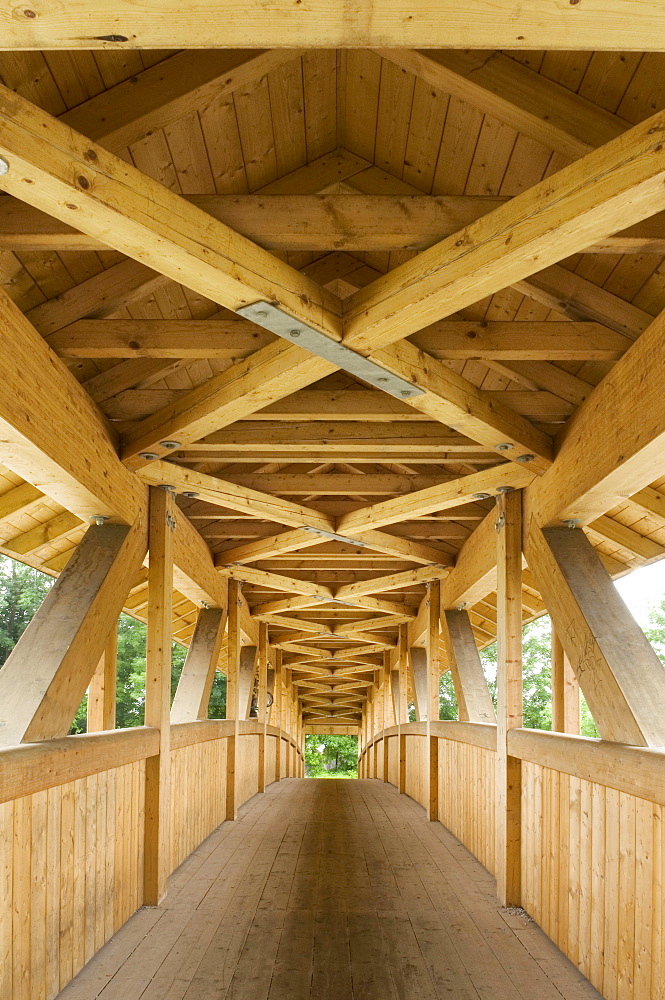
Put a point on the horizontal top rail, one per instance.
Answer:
(479, 734)
(33, 767)
(638, 771)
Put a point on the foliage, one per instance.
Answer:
(22, 590)
(331, 756)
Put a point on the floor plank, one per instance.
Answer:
(334, 890)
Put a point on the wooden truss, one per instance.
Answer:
(347, 538)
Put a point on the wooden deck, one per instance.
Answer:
(330, 889)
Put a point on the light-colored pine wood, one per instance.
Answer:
(509, 697)
(473, 697)
(102, 689)
(192, 695)
(156, 862)
(565, 691)
(66, 637)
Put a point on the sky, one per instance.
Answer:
(643, 589)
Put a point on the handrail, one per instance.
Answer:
(33, 767)
(638, 771)
(479, 734)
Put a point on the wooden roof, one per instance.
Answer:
(345, 165)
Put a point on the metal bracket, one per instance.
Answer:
(282, 325)
(500, 522)
(331, 536)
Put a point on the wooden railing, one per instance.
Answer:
(72, 834)
(592, 835)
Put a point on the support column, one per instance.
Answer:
(509, 697)
(565, 691)
(387, 708)
(432, 696)
(102, 688)
(198, 673)
(473, 696)
(277, 712)
(232, 694)
(262, 701)
(402, 701)
(158, 695)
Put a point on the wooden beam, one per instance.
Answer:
(43, 534)
(228, 336)
(78, 467)
(192, 695)
(276, 581)
(46, 675)
(86, 23)
(619, 672)
(228, 495)
(319, 222)
(443, 497)
(458, 403)
(509, 699)
(157, 849)
(474, 574)
(394, 581)
(473, 697)
(608, 189)
(596, 470)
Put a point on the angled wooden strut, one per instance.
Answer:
(192, 695)
(473, 697)
(619, 672)
(46, 675)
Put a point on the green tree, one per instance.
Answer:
(22, 590)
(331, 756)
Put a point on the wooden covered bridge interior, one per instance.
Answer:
(332, 346)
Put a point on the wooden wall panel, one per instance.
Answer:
(70, 863)
(393, 760)
(198, 795)
(467, 796)
(417, 785)
(247, 775)
(270, 754)
(592, 870)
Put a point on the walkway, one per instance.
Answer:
(334, 890)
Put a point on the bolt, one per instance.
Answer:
(525, 458)
(382, 378)
(294, 333)
(148, 456)
(503, 447)
(4, 167)
(480, 496)
(406, 393)
(190, 495)
(570, 522)
(99, 519)
(166, 487)
(170, 444)
(505, 489)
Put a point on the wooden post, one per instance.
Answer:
(509, 688)
(262, 701)
(387, 709)
(102, 688)
(402, 700)
(277, 712)
(432, 705)
(233, 694)
(158, 695)
(565, 691)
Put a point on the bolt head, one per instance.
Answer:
(148, 456)
(4, 167)
(166, 487)
(294, 333)
(99, 519)
(480, 496)
(506, 446)
(525, 458)
(190, 494)
(262, 314)
(170, 444)
(505, 489)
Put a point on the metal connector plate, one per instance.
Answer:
(282, 325)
